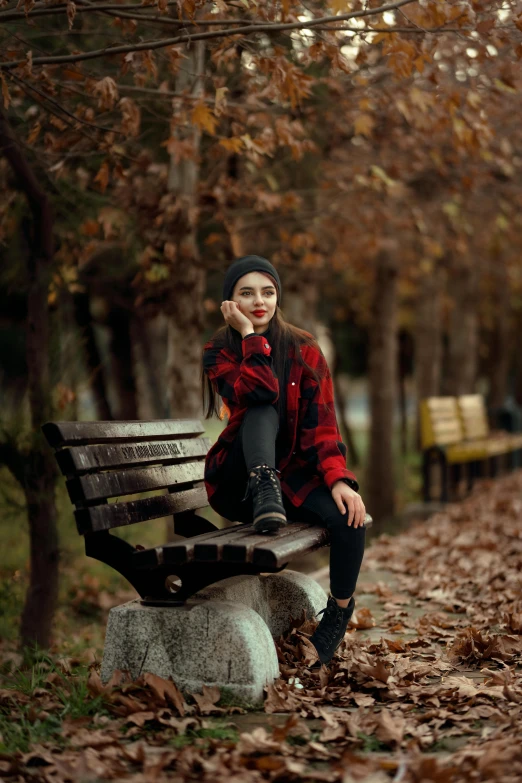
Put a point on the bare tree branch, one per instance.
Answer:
(250, 29)
(76, 121)
(81, 8)
(119, 11)
(415, 30)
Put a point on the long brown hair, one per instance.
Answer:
(283, 336)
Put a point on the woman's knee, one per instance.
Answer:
(340, 530)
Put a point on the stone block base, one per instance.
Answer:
(277, 598)
(222, 636)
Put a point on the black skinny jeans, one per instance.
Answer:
(256, 445)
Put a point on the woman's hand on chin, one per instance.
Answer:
(235, 318)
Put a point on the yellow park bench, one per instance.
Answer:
(455, 433)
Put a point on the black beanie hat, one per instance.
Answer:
(242, 266)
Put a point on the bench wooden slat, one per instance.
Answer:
(467, 452)
(474, 428)
(242, 544)
(109, 516)
(440, 422)
(242, 550)
(442, 405)
(76, 433)
(281, 550)
(443, 435)
(474, 416)
(179, 552)
(471, 402)
(447, 429)
(87, 459)
(238, 544)
(516, 441)
(96, 487)
(475, 422)
(501, 443)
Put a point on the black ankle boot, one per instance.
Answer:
(269, 512)
(330, 631)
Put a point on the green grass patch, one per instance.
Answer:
(229, 699)
(371, 744)
(298, 741)
(20, 734)
(440, 746)
(220, 732)
(70, 690)
(36, 722)
(12, 588)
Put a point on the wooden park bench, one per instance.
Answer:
(109, 466)
(455, 433)
(475, 425)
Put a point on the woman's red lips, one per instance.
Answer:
(259, 312)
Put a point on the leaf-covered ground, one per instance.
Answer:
(427, 685)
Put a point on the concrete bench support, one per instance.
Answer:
(223, 636)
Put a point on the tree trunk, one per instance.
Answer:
(500, 344)
(95, 370)
(234, 226)
(428, 336)
(517, 385)
(380, 482)
(463, 331)
(340, 397)
(187, 290)
(42, 595)
(301, 298)
(403, 411)
(344, 425)
(149, 338)
(185, 344)
(404, 368)
(122, 363)
(39, 469)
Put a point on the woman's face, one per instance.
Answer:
(257, 298)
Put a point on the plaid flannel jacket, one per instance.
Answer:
(316, 453)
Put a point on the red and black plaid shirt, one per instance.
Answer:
(315, 453)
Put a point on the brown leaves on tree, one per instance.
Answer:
(103, 176)
(130, 117)
(364, 124)
(71, 13)
(106, 90)
(204, 118)
(6, 97)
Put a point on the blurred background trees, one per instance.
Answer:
(370, 150)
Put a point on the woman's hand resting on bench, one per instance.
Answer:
(347, 499)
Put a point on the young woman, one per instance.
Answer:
(280, 458)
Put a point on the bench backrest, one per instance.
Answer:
(108, 460)
(440, 422)
(474, 416)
